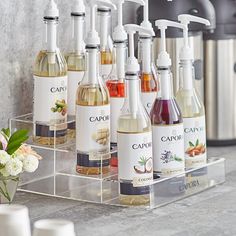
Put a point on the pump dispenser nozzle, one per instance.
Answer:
(92, 36)
(186, 52)
(132, 65)
(51, 10)
(163, 57)
(119, 33)
(146, 23)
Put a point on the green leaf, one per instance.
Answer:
(1, 147)
(191, 144)
(18, 135)
(6, 132)
(178, 159)
(197, 142)
(14, 145)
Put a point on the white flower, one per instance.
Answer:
(4, 157)
(4, 173)
(20, 157)
(30, 163)
(14, 167)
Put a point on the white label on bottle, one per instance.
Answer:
(93, 128)
(50, 99)
(105, 70)
(148, 99)
(116, 105)
(195, 142)
(74, 78)
(135, 158)
(168, 149)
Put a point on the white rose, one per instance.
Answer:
(14, 167)
(4, 157)
(30, 163)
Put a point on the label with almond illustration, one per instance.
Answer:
(135, 158)
(195, 142)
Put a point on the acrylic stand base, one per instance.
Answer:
(57, 176)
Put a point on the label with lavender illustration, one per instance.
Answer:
(195, 142)
(135, 158)
(168, 149)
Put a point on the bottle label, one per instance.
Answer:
(168, 149)
(195, 142)
(148, 99)
(135, 158)
(105, 70)
(93, 130)
(74, 78)
(116, 105)
(50, 105)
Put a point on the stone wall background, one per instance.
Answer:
(21, 28)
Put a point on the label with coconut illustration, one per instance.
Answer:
(93, 130)
(195, 142)
(50, 104)
(168, 149)
(135, 158)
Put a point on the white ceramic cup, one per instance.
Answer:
(14, 220)
(53, 227)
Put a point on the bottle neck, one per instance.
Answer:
(78, 33)
(146, 55)
(187, 75)
(119, 59)
(51, 35)
(133, 93)
(92, 68)
(166, 83)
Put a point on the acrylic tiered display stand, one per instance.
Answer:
(57, 176)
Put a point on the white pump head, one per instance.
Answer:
(163, 57)
(146, 23)
(119, 33)
(186, 52)
(78, 8)
(132, 64)
(51, 10)
(92, 36)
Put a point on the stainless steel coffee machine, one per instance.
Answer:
(159, 9)
(220, 75)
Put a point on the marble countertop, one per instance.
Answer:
(210, 213)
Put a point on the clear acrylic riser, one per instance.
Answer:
(57, 176)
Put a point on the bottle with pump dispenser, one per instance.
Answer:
(134, 135)
(149, 84)
(166, 117)
(116, 80)
(190, 103)
(75, 58)
(50, 85)
(106, 46)
(93, 108)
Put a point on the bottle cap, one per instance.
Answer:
(51, 10)
(78, 8)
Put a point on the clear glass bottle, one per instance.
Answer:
(50, 86)
(193, 117)
(75, 60)
(116, 86)
(106, 45)
(148, 75)
(134, 128)
(92, 119)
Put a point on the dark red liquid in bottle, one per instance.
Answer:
(165, 112)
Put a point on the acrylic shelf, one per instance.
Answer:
(57, 176)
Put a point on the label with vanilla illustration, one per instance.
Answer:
(195, 142)
(135, 158)
(168, 149)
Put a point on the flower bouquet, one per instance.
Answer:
(15, 158)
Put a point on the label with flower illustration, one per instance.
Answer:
(93, 134)
(168, 149)
(135, 158)
(50, 105)
(195, 142)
